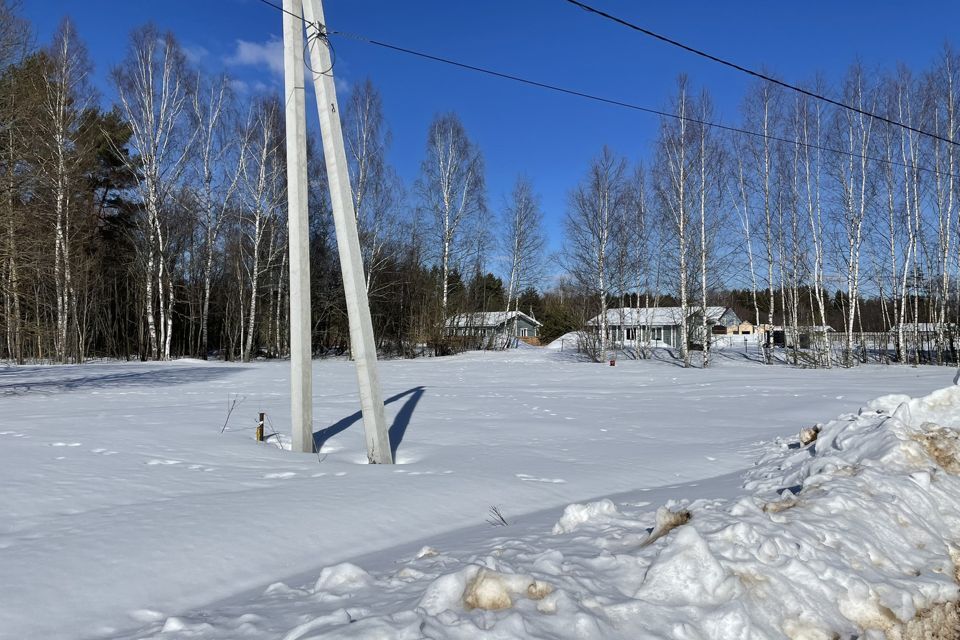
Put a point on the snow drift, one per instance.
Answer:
(853, 534)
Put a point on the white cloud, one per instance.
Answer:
(195, 52)
(258, 54)
(239, 86)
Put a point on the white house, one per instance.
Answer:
(661, 325)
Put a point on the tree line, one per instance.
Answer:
(153, 225)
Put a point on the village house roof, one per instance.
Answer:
(653, 316)
(487, 319)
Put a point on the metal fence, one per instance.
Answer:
(923, 347)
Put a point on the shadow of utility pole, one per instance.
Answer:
(397, 430)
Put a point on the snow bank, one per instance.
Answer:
(568, 341)
(576, 514)
(341, 579)
(852, 534)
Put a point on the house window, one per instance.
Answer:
(523, 333)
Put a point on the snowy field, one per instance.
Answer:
(128, 514)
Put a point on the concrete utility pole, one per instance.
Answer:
(362, 345)
(301, 349)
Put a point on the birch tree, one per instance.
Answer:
(675, 174)
(897, 229)
(807, 134)
(152, 91)
(522, 241)
(855, 192)
(262, 172)
(65, 95)
(761, 110)
(216, 169)
(451, 189)
(596, 206)
(376, 188)
(744, 207)
(709, 194)
(943, 88)
(910, 154)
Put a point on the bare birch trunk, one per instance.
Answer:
(704, 321)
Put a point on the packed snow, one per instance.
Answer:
(642, 500)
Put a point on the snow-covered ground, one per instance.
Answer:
(127, 513)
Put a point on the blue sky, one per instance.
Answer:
(549, 137)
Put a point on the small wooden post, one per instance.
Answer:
(260, 428)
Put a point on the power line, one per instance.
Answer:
(616, 103)
(756, 74)
(281, 9)
(634, 107)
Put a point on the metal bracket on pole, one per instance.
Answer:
(362, 344)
